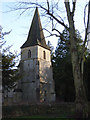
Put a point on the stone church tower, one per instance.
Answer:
(36, 83)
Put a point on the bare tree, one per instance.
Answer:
(76, 58)
(2, 42)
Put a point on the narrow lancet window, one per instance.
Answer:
(29, 54)
(44, 55)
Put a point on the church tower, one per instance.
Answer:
(37, 83)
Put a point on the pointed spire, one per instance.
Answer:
(36, 35)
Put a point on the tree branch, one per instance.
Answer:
(60, 18)
(85, 15)
(51, 33)
(57, 31)
(47, 12)
(48, 5)
(74, 6)
(87, 25)
(67, 5)
(86, 34)
(62, 23)
(60, 36)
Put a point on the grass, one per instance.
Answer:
(53, 110)
(65, 111)
(37, 118)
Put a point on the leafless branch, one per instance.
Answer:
(6, 33)
(74, 6)
(56, 4)
(51, 33)
(87, 25)
(57, 31)
(62, 23)
(48, 6)
(18, 8)
(61, 18)
(67, 5)
(85, 15)
(47, 12)
(60, 34)
(86, 33)
(2, 43)
(24, 11)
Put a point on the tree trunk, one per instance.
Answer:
(81, 99)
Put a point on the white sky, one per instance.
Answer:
(20, 25)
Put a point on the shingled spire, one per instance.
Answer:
(36, 35)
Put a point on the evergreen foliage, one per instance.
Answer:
(9, 72)
(62, 68)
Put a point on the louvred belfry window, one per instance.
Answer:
(44, 55)
(29, 54)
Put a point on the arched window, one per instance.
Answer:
(29, 54)
(44, 55)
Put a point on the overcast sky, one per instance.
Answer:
(20, 25)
